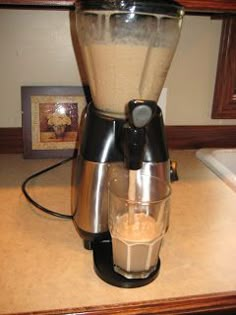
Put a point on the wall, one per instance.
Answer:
(191, 78)
(36, 49)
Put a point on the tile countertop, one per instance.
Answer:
(43, 264)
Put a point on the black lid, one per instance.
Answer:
(168, 7)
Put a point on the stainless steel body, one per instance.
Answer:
(90, 192)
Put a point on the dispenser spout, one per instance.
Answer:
(140, 114)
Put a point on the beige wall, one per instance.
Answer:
(191, 78)
(36, 49)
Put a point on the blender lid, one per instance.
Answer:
(168, 7)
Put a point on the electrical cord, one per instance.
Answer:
(37, 205)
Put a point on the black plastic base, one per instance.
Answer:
(103, 265)
(90, 238)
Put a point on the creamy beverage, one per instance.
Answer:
(119, 72)
(138, 217)
(136, 246)
(131, 194)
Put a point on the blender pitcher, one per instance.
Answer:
(127, 48)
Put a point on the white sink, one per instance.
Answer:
(222, 162)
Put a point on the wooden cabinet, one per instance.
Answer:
(47, 3)
(224, 104)
(190, 5)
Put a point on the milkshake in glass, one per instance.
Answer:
(138, 221)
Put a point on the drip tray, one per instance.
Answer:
(103, 265)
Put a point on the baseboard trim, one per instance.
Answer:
(11, 140)
(195, 137)
(178, 137)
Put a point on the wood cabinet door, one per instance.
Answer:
(224, 103)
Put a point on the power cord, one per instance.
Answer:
(37, 205)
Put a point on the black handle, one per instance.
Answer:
(134, 142)
(140, 113)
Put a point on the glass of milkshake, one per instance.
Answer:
(138, 221)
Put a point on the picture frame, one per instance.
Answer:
(50, 120)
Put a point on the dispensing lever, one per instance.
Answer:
(140, 113)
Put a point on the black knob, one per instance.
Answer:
(141, 112)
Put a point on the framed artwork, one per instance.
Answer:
(50, 118)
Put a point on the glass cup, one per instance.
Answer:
(138, 221)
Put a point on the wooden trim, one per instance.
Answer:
(214, 304)
(224, 103)
(11, 140)
(195, 137)
(35, 3)
(190, 5)
(178, 137)
(209, 5)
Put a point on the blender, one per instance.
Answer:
(127, 47)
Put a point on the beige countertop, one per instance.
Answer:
(43, 265)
